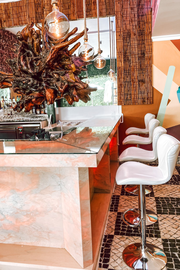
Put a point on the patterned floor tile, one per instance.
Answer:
(175, 180)
(122, 229)
(169, 226)
(131, 202)
(172, 250)
(117, 190)
(178, 169)
(118, 245)
(168, 205)
(110, 226)
(167, 191)
(105, 251)
(114, 203)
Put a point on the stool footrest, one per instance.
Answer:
(134, 189)
(132, 217)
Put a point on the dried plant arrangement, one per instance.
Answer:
(44, 68)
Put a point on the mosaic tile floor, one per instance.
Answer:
(165, 233)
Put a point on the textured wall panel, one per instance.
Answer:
(134, 51)
(25, 11)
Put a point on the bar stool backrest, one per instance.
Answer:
(152, 125)
(158, 131)
(147, 118)
(168, 149)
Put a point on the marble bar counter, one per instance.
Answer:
(55, 196)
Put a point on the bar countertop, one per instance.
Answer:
(90, 138)
(55, 196)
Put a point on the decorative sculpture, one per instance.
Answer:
(44, 69)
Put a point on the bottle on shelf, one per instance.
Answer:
(38, 111)
(13, 102)
(42, 108)
(34, 109)
(2, 102)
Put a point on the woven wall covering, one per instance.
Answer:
(7, 49)
(27, 11)
(134, 51)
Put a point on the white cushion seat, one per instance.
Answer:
(137, 154)
(135, 139)
(134, 130)
(141, 155)
(136, 173)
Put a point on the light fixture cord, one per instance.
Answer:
(99, 49)
(113, 47)
(85, 29)
(54, 2)
(110, 42)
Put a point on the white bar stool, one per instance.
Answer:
(143, 255)
(132, 216)
(134, 130)
(135, 139)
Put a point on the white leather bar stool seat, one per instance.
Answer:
(134, 130)
(135, 139)
(131, 216)
(143, 255)
(139, 173)
(142, 155)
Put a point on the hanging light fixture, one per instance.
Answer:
(57, 23)
(86, 51)
(111, 72)
(99, 61)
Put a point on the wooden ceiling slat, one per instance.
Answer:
(73, 9)
(79, 9)
(94, 9)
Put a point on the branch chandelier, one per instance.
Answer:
(44, 69)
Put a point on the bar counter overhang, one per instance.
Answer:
(55, 196)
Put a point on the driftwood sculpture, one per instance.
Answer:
(45, 69)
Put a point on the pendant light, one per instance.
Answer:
(99, 61)
(57, 23)
(86, 51)
(111, 72)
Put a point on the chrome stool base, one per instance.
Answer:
(132, 217)
(134, 189)
(152, 259)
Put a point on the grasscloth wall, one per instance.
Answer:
(24, 11)
(134, 52)
(133, 35)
